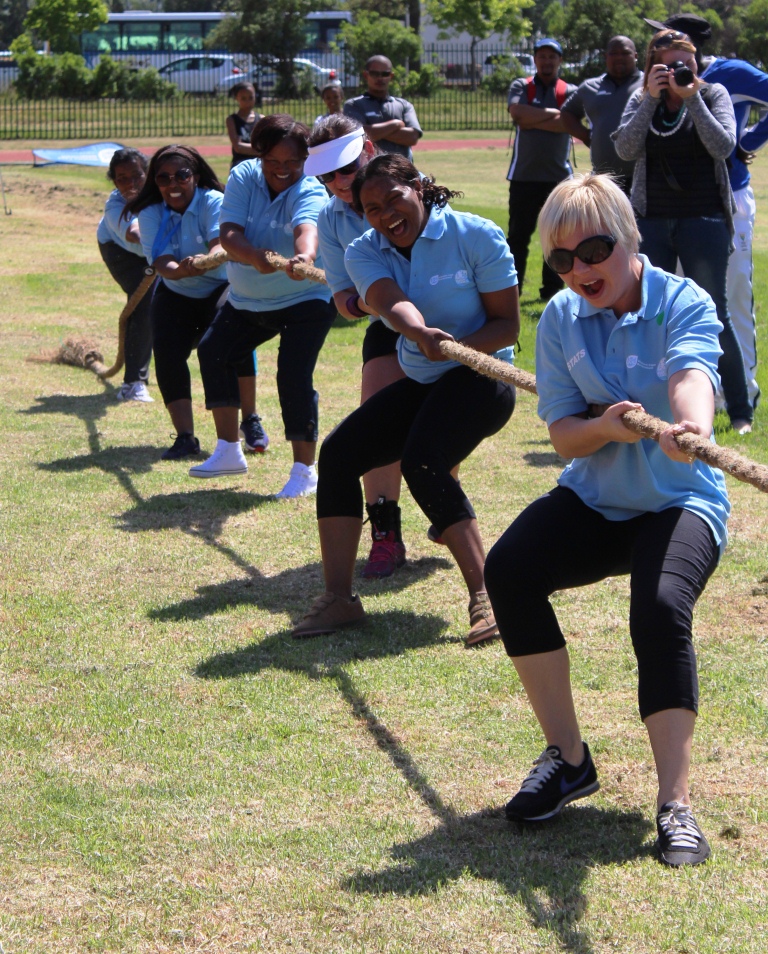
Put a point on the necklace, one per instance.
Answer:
(672, 124)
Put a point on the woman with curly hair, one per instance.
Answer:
(178, 210)
(433, 275)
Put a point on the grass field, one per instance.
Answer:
(177, 774)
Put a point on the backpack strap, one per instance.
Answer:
(561, 91)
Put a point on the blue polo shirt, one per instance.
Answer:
(269, 224)
(112, 227)
(457, 257)
(187, 234)
(586, 356)
(338, 225)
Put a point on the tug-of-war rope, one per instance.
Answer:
(727, 460)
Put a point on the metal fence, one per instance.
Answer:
(469, 97)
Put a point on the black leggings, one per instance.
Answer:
(558, 542)
(429, 428)
(178, 324)
(127, 270)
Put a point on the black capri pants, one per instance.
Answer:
(236, 332)
(127, 270)
(558, 542)
(429, 428)
(178, 324)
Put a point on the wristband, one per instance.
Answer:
(352, 306)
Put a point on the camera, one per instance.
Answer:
(683, 74)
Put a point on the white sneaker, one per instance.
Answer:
(226, 459)
(301, 483)
(135, 391)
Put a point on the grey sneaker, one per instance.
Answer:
(680, 841)
(135, 391)
(328, 614)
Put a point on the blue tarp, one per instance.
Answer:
(96, 154)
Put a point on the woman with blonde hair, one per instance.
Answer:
(623, 334)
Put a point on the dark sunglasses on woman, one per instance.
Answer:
(591, 251)
(670, 38)
(166, 178)
(326, 177)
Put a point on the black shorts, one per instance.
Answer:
(379, 341)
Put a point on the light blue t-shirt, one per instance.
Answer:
(269, 224)
(457, 257)
(584, 356)
(112, 227)
(190, 233)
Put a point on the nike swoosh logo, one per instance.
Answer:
(566, 787)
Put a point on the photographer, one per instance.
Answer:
(680, 131)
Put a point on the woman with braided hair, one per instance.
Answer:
(433, 275)
(178, 211)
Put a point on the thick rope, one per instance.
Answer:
(637, 421)
(122, 323)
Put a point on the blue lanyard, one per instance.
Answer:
(164, 233)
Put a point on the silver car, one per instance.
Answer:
(201, 72)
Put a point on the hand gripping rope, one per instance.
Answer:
(637, 421)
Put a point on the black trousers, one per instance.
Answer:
(178, 324)
(525, 202)
(558, 542)
(127, 270)
(429, 428)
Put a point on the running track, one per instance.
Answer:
(24, 156)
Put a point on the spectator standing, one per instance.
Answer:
(389, 121)
(681, 135)
(540, 153)
(240, 124)
(747, 86)
(601, 99)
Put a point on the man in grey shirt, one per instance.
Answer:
(540, 153)
(389, 121)
(602, 100)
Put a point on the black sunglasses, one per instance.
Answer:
(166, 178)
(668, 39)
(591, 251)
(382, 73)
(326, 177)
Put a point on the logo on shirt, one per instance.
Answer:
(572, 362)
(634, 362)
(460, 278)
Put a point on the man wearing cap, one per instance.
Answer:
(747, 86)
(540, 153)
(602, 100)
(389, 121)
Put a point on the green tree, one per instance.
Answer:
(274, 29)
(587, 25)
(479, 18)
(12, 14)
(753, 35)
(61, 22)
(374, 34)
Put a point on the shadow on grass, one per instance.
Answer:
(288, 591)
(383, 635)
(545, 867)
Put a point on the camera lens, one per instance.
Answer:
(683, 75)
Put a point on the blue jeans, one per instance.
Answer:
(703, 246)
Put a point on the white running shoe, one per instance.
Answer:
(302, 482)
(135, 391)
(225, 460)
